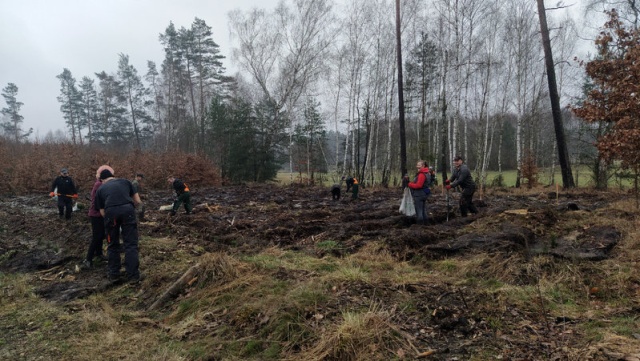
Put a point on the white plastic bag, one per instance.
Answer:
(406, 205)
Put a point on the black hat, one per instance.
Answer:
(140, 175)
(105, 174)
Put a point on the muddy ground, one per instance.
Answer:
(246, 220)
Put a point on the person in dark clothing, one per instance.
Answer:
(116, 199)
(335, 192)
(420, 191)
(355, 186)
(98, 233)
(461, 176)
(137, 184)
(349, 182)
(405, 181)
(183, 195)
(66, 192)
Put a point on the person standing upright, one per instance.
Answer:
(66, 192)
(183, 195)
(420, 191)
(116, 199)
(461, 176)
(97, 224)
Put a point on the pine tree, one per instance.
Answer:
(113, 126)
(90, 113)
(310, 141)
(136, 97)
(70, 107)
(12, 125)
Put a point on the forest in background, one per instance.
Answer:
(317, 92)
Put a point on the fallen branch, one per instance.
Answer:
(176, 287)
(426, 353)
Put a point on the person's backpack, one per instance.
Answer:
(430, 181)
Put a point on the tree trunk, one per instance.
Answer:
(563, 154)
(403, 141)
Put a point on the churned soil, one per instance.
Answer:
(249, 219)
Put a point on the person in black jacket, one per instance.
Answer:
(349, 182)
(335, 192)
(66, 192)
(116, 199)
(183, 195)
(461, 176)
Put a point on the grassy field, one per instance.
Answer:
(582, 177)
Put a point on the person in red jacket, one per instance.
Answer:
(98, 233)
(420, 191)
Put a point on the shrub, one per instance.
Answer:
(31, 167)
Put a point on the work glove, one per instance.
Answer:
(447, 182)
(448, 186)
(51, 194)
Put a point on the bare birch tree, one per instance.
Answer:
(284, 56)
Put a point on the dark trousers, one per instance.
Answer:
(420, 204)
(140, 212)
(466, 201)
(121, 221)
(97, 236)
(65, 205)
(183, 198)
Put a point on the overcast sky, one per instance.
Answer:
(39, 38)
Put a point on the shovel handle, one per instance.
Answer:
(66, 195)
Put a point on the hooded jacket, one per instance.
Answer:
(421, 182)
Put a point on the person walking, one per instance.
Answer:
(97, 224)
(64, 187)
(183, 195)
(137, 185)
(420, 191)
(461, 177)
(116, 199)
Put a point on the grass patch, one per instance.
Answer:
(274, 258)
(329, 246)
(363, 335)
